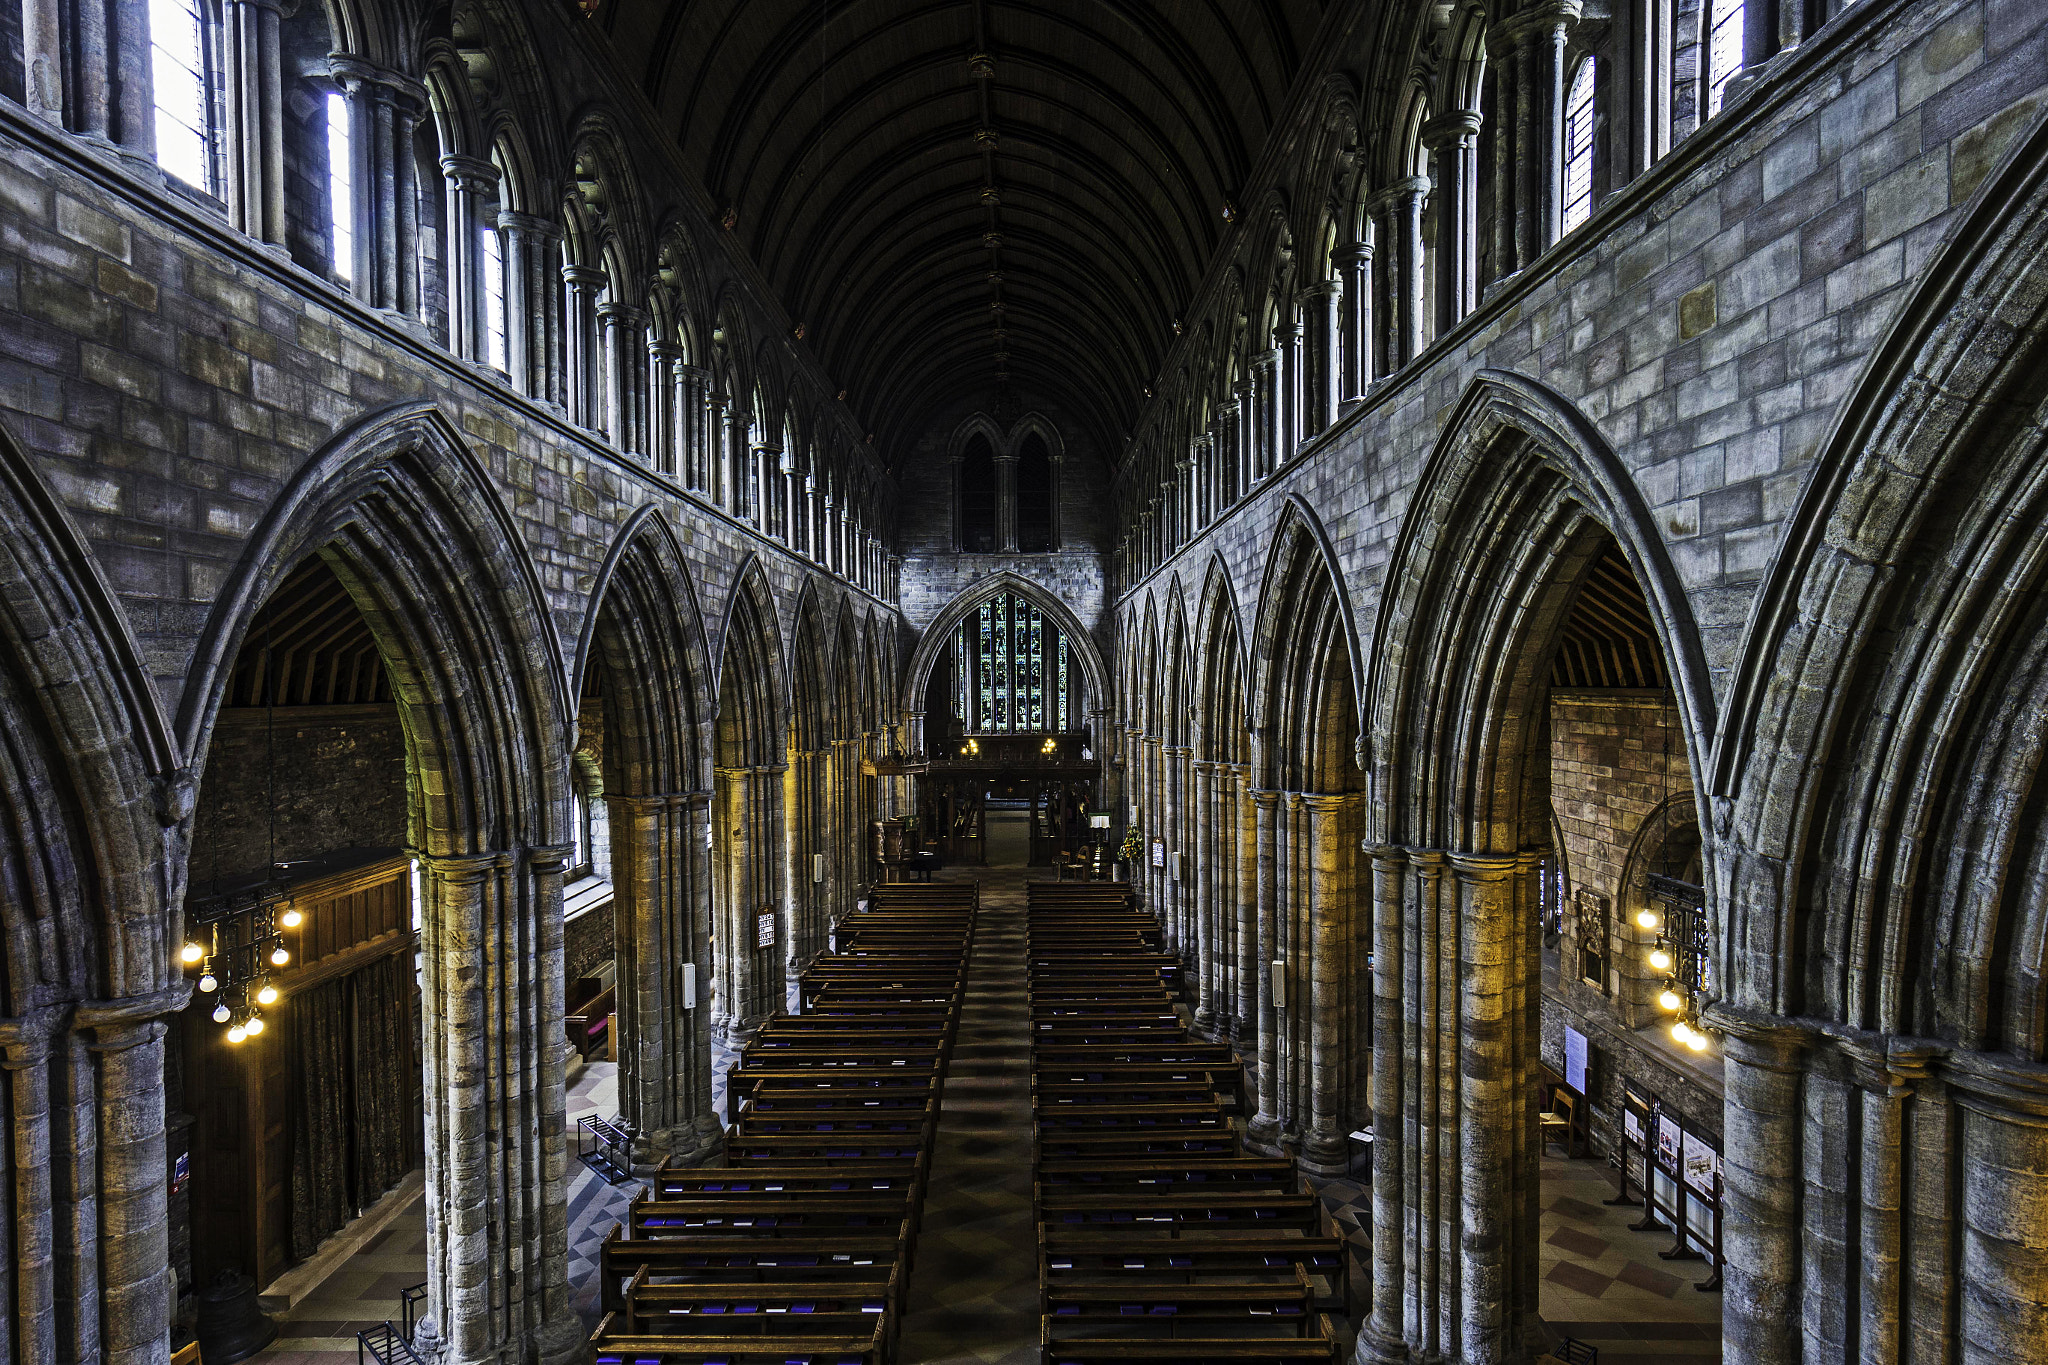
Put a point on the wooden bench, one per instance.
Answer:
(1165, 1176)
(587, 1015)
(610, 1346)
(1320, 1349)
(713, 1182)
(1062, 1145)
(1167, 1305)
(822, 1308)
(726, 1261)
(1266, 1210)
(1192, 1257)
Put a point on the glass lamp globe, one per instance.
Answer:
(1661, 960)
(255, 1025)
(220, 1013)
(209, 983)
(1680, 1033)
(237, 1034)
(278, 956)
(191, 953)
(1646, 919)
(1669, 999)
(1696, 1040)
(291, 919)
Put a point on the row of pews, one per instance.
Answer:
(1160, 1239)
(798, 1250)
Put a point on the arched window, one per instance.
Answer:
(1578, 147)
(493, 255)
(1013, 671)
(341, 209)
(978, 493)
(1035, 494)
(1724, 50)
(183, 80)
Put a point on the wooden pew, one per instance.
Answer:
(610, 1346)
(1192, 1257)
(1320, 1349)
(1165, 1175)
(727, 1261)
(714, 1182)
(1267, 1210)
(1072, 1305)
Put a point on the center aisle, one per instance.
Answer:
(974, 1296)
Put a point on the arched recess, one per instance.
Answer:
(750, 756)
(1307, 810)
(93, 824)
(1227, 848)
(644, 633)
(410, 523)
(1518, 503)
(939, 634)
(846, 805)
(1170, 894)
(806, 780)
(1884, 841)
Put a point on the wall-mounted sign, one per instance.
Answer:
(1158, 853)
(1575, 1059)
(764, 929)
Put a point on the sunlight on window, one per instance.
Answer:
(1724, 51)
(1578, 148)
(494, 298)
(177, 53)
(340, 193)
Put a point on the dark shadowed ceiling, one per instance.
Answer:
(894, 190)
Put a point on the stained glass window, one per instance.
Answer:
(1014, 672)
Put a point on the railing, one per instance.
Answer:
(385, 1345)
(409, 1301)
(606, 1147)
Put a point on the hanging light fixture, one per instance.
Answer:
(236, 936)
(1680, 951)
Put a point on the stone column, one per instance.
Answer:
(28, 1266)
(42, 59)
(1762, 1160)
(125, 1040)
(2000, 1147)
(1493, 1102)
(496, 1063)
(691, 383)
(1006, 501)
(1264, 1126)
(1453, 141)
(1205, 897)
(472, 184)
(620, 330)
(1397, 217)
(1250, 986)
(1394, 1155)
(532, 303)
(581, 286)
(1354, 267)
(1266, 415)
(1288, 404)
(664, 1057)
(1529, 51)
(254, 76)
(384, 109)
(1329, 307)
(1334, 980)
(718, 472)
(668, 407)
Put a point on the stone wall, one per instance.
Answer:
(330, 777)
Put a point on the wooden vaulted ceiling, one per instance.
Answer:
(1608, 638)
(850, 139)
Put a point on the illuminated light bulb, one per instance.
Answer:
(1669, 1000)
(268, 995)
(1646, 919)
(1661, 960)
(237, 1034)
(278, 956)
(220, 1013)
(255, 1025)
(209, 983)
(1680, 1033)
(191, 953)
(1696, 1040)
(291, 919)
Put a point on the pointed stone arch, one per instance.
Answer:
(750, 844)
(645, 628)
(411, 524)
(1518, 502)
(939, 634)
(1882, 832)
(94, 821)
(1301, 591)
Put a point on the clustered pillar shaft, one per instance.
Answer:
(255, 119)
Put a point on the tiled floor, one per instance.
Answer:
(973, 1298)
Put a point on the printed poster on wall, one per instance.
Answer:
(1632, 1125)
(764, 932)
(1702, 1164)
(1669, 1137)
(1575, 1059)
(1158, 853)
